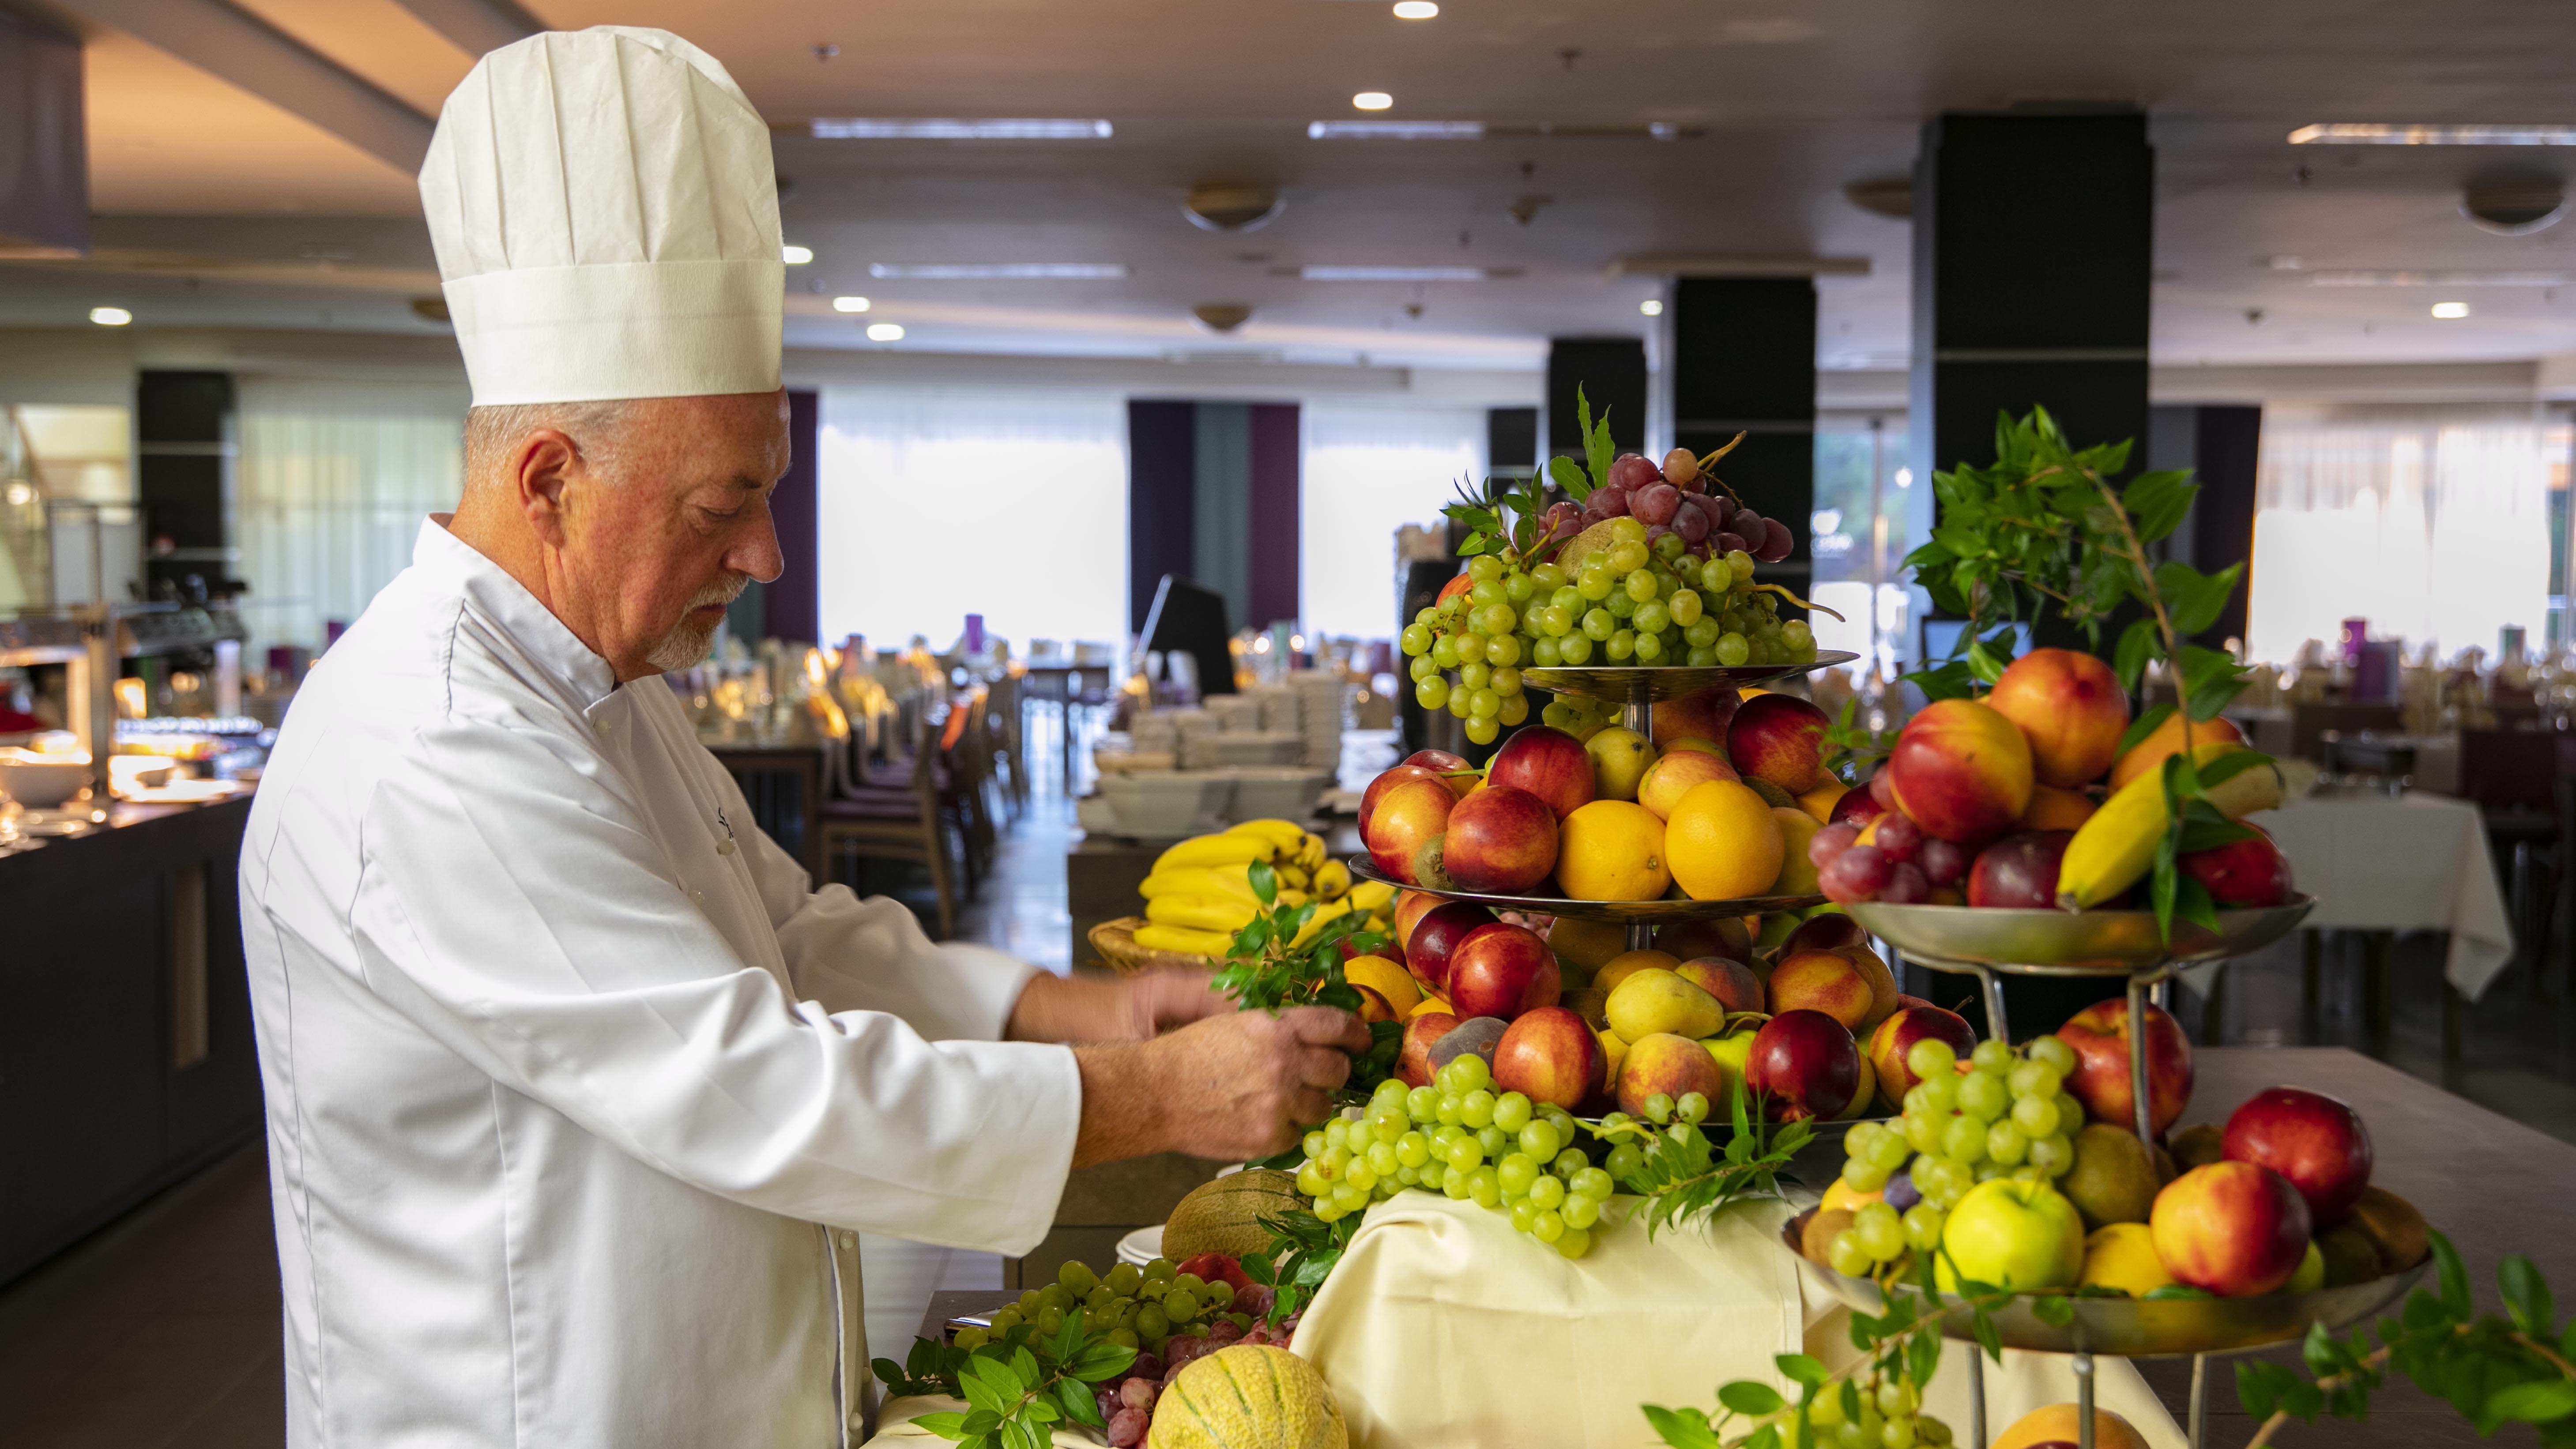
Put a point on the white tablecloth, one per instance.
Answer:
(2401, 863)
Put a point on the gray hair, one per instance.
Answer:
(598, 429)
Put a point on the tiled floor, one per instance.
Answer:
(163, 1330)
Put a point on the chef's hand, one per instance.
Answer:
(1132, 1008)
(1239, 1085)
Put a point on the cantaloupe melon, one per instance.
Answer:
(1248, 1396)
(1225, 1216)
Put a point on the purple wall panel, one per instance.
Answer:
(1276, 516)
(791, 607)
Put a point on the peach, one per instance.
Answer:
(1671, 777)
(1436, 936)
(1500, 839)
(1731, 982)
(1453, 771)
(2070, 708)
(1548, 1054)
(1502, 971)
(1701, 716)
(1388, 780)
(2234, 1228)
(1421, 1031)
(1670, 1065)
(1827, 930)
(1410, 815)
(1896, 1036)
(1549, 763)
(1825, 981)
(1410, 908)
(2053, 809)
(1779, 738)
(1960, 771)
(2149, 753)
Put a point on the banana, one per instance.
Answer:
(1310, 852)
(1292, 876)
(1373, 896)
(1200, 913)
(1329, 910)
(1228, 849)
(2117, 846)
(1197, 880)
(1184, 940)
(1332, 880)
(1283, 836)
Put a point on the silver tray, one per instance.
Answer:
(2137, 1327)
(2069, 943)
(1623, 912)
(1639, 684)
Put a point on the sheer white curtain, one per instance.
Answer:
(2433, 524)
(1369, 470)
(334, 479)
(943, 502)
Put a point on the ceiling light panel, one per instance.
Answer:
(2374, 133)
(1491, 130)
(1392, 274)
(922, 129)
(999, 271)
(2440, 279)
(1395, 130)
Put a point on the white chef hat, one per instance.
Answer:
(606, 220)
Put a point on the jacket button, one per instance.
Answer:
(858, 1422)
(849, 1240)
(724, 847)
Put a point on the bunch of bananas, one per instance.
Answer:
(1200, 891)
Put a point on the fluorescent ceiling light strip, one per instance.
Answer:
(2361, 133)
(911, 129)
(999, 271)
(1395, 130)
(2440, 279)
(1392, 274)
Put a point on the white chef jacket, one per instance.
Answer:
(574, 1085)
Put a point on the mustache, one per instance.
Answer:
(719, 595)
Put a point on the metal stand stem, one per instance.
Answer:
(1638, 717)
(1976, 1396)
(2138, 1062)
(2198, 1428)
(1998, 1028)
(2083, 1401)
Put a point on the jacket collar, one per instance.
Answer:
(565, 661)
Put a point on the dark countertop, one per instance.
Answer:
(133, 839)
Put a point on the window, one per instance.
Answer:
(942, 502)
(1368, 472)
(1858, 537)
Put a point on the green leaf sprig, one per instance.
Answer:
(1303, 1251)
(1015, 1386)
(1686, 1180)
(1268, 968)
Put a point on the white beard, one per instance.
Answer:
(686, 647)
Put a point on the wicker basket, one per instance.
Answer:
(1115, 943)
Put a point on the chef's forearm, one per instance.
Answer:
(1122, 1104)
(1068, 1009)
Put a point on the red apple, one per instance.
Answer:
(1824, 931)
(1435, 940)
(1413, 1058)
(2316, 1142)
(1961, 771)
(1387, 780)
(1502, 970)
(1779, 738)
(2100, 1035)
(1707, 936)
(1411, 814)
(1548, 1054)
(1805, 1064)
(2019, 871)
(2069, 706)
(1913, 1021)
(2249, 872)
(1453, 771)
(1856, 807)
(1672, 1066)
(2232, 1228)
(1501, 839)
(1548, 763)
(1410, 908)
(1701, 716)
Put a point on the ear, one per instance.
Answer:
(542, 470)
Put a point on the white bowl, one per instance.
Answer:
(1277, 793)
(1165, 804)
(41, 782)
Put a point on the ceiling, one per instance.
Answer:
(1789, 103)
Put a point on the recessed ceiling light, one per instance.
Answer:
(795, 256)
(885, 332)
(1392, 274)
(110, 316)
(2450, 311)
(2359, 133)
(1372, 100)
(1652, 307)
(998, 271)
(909, 129)
(1415, 9)
(2440, 279)
(849, 304)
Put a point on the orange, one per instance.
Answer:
(2057, 1424)
(1819, 801)
(1797, 873)
(1613, 850)
(1725, 843)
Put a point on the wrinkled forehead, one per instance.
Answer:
(692, 441)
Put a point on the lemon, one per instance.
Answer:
(2123, 1256)
(1724, 843)
(1619, 761)
(1613, 850)
(1797, 873)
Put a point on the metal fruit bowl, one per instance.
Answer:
(1643, 684)
(2138, 1327)
(1622, 912)
(2069, 943)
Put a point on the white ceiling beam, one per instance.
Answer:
(477, 27)
(243, 50)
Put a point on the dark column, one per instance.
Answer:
(1744, 361)
(2011, 309)
(182, 428)
(44, 203)
(791, 605)
(1612, 373)
(1276, 518)
(1162, 444)
(2225, 446)
(1511, 441)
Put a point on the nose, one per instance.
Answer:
(757, 553)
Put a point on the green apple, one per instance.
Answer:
(2021, 1236)
(1731, 1052)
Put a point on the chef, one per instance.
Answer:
(578, 1091)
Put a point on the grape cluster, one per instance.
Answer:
(1890, 1416)
(1651, 569)
(1898, 863)
(1138, 1308)
(2008, 1115)
(1459, 1137)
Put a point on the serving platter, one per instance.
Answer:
(2069, 943)
(1622, 912)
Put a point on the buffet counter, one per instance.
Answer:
(126, 1043)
